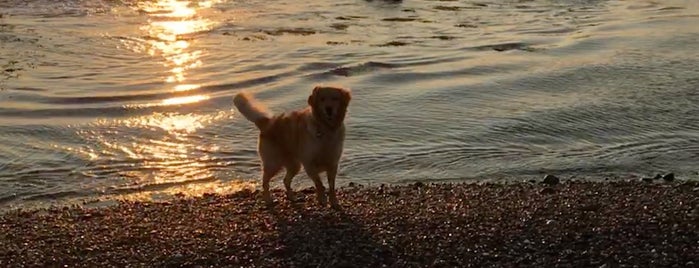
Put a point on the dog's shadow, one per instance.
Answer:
(322, 237)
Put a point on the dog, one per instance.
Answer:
(312, 137)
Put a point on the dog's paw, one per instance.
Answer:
(335, 206)
(267, 199)
(291, 196)
(269, 204)
(322, 200)
(297, 200)
(333, 201)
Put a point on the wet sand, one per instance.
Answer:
(573, 224)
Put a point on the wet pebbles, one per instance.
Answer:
(572, 224)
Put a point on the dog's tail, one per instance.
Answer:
(252, 110)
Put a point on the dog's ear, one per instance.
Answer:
(346, 96)
(312, 97)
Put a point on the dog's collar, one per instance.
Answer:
(314, 130)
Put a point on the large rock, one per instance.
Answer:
(551, 180)
(669, 177)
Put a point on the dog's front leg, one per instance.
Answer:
(314, 174)
(332, 172)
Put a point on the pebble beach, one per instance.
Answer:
(571, 224)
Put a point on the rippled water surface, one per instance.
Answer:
(134, 98)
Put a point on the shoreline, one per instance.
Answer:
(156, 193)
(574, 223)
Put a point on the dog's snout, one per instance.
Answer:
(329, 111)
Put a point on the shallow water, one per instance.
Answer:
(134, 98)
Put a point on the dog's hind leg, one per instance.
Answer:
(291, 170)
(268, 172)
(271, 165)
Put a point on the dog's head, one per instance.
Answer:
(329, 105)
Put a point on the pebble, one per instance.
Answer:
(669, 177)
(548, 190)
(418, 185)
(551, 179)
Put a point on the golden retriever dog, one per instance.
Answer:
(311, 137)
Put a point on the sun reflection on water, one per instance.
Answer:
(192, 190)
(171, 27)
(163, 152)
(186, 87)
(162, 149)
(184, 100)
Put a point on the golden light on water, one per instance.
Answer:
(171, 29)
(186, 87)
(184, 100)
(163, 150)
(175, 100)
(174, 124)
(177, 8)
(195, 189)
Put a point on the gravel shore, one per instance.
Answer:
(573, 224)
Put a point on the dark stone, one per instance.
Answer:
(339, 26)
(309, 190)
(658, 176)
(464, 25)
(669, 177)
(647, 179)
(245, 193)
(591, 207)
(551, 180)
(688, 185)
(548, 190)
(443, 37)
(393, 44)
(334, 43)
(418, 185)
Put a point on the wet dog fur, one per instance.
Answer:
(312, 137)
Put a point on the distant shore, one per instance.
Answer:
(571, 224)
